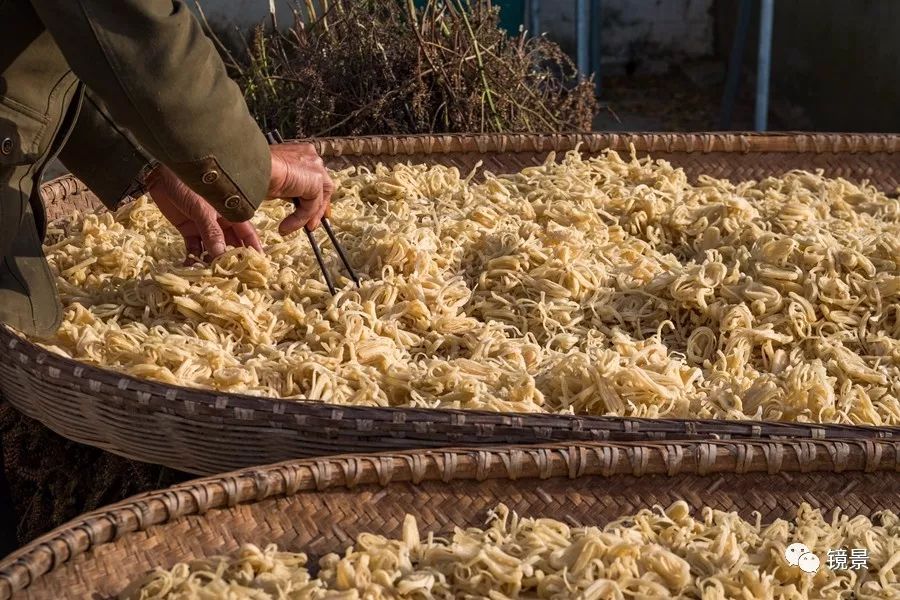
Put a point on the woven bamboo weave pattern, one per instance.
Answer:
(319, 506)
(204, 432)
(737, 157)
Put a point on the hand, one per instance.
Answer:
(197, 221)
(298, 172)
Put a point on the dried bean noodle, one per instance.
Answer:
(654, 554)
(605, 285)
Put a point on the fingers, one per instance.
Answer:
(205, 219)
(203, 230)
(301, 216)
(327, 191)
(162, 194)
(194, 218)
(231, 238)
(325, 204)
(245, 235)
(300, 173)
(324, 208)
(316, 219)
(172, 211)
(194, 248)
(211, 234)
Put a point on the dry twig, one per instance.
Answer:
(445, 67)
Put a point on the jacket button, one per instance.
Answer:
(232, 202)
(6, 146)
(210, 176)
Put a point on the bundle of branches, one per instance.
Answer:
(356, 67)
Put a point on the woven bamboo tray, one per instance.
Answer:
(321, 505)
(204, 432)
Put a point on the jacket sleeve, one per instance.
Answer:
(102, 154)
(161, 78)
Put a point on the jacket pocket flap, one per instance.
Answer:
(20, 133)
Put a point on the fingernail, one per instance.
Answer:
(217, 249)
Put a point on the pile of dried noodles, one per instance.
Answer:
(603, 286)
(653, 554)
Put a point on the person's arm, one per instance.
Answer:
(112, 164)
(162, 79)
(102, 154)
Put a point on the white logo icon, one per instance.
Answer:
(799, 555)
(808, 563)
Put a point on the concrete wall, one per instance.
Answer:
(645, 35)
(232, 19)
(835, 63)
(243, 13)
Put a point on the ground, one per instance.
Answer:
(686, 98)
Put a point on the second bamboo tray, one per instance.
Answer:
(319, 506)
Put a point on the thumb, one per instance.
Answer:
(301, 216)
(211, 233)
(246, 234)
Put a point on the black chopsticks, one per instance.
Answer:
(274, 137)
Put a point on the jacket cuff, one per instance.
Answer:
(236, 190)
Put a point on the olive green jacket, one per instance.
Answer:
(106, 85)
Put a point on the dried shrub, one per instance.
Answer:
(361, 67)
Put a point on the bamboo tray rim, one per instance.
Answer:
(512, 463)
(695, 142)
(192, 401)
